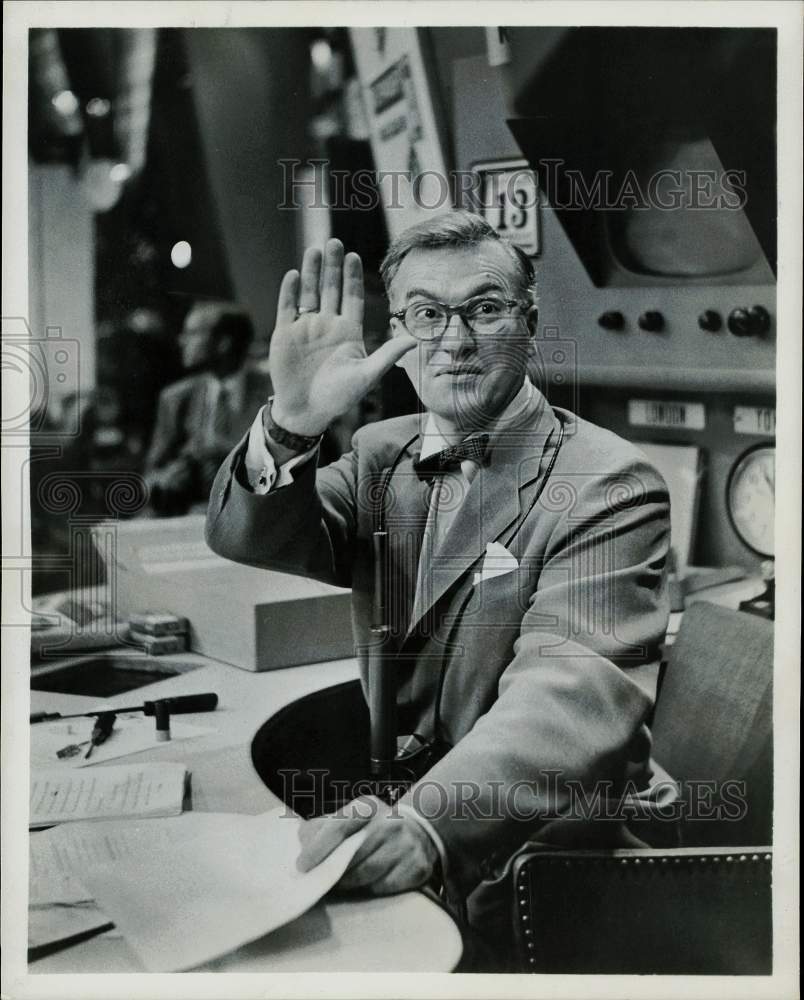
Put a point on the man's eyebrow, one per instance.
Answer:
(488, 286)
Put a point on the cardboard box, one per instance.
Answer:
(251, 618)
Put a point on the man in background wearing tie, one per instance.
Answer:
(202, 416)
(526, 547)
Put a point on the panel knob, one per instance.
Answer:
(740, 323)
(761, 319)
(710, 320)
(652, 321)
(612, 320)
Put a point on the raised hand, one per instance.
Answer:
(319, 365)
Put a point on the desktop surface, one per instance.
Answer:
(409, 932)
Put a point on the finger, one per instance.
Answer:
(379, 831)
(329, 833)
(310, 279)
(287, 303)
(386, 356)
(333, 277)
(309, 830)
(371, 869)
(353, 292)
(406, 874)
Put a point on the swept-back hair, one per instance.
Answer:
(454, 229)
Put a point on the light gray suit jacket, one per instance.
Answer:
(534, 672)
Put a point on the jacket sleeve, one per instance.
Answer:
(166, 440)
(567, 714)
(306, 528)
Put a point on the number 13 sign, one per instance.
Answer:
(507, 197)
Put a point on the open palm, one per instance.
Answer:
(319, 365)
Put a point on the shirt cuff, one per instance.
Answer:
(405, 810)
(261, 469)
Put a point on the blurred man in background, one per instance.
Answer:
(202, 416)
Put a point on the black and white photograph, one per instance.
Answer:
(396, 584)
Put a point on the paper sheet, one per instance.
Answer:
(60, 906)
(58, 796)
(679, 465)
(57, 856)
(187, 902)
(50, 924)
(131, 734)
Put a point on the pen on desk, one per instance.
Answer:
(101, 731)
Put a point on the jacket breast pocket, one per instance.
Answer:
(499, 601)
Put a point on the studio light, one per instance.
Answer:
(181, 254)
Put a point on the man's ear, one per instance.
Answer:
(532, 319)
(396, 329)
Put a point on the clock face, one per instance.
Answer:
(750, 498)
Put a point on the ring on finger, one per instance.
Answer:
(305, 309)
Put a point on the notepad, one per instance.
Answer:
(120, 792)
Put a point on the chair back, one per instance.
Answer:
(685, 911)
(713, 724)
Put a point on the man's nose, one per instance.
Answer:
(458, 337)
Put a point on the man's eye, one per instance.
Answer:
(426, 313)
(487, 307)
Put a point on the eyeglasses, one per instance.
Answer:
(428, 320)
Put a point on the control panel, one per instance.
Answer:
(715, 333)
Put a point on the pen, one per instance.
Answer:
(101, 731)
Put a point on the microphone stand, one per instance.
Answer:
(388, 776)
(382, 686)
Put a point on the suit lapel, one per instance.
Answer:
(497, 495)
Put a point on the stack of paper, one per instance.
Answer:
(184, 891)
(126, 790)
(60, 907)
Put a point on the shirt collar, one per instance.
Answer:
(434, 441)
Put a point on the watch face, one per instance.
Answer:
(750, 498)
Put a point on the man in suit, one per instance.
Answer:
(527, 594)
(200, 417)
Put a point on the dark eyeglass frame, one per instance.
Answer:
(450, 311)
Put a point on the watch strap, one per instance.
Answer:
(279, 434)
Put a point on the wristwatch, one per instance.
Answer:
(295, 442)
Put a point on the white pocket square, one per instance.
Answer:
(497, 561)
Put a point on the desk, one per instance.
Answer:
(405, 933)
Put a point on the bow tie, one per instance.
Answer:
(474, 448)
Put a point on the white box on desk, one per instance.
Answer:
(252, 618)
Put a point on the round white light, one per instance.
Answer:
(65, 102)
(120, 173)
(98, 107)
(321, 54)
(101, 190)
(181, 254)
